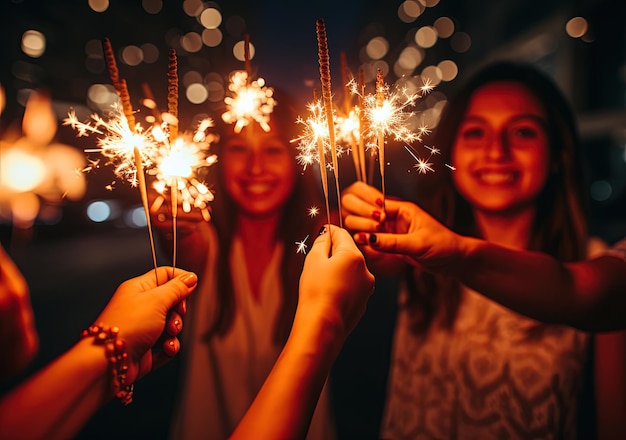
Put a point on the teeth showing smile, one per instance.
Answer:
(495, 177)
(257, 188)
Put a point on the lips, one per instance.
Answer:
(257, 188)
(496, 177)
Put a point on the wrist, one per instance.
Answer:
(116, 356)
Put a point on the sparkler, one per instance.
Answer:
(386, 114)
(348, 129)
(250, 100)
(179, 158)
(124, 142)
(324, 62)
(313, 143)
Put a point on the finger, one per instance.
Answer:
(357, 223)
(342, 241)
(181, 307)
(368, 193)
(178, 288)
(174, 324)
(169, 349)
(355, 205)
(406, 244)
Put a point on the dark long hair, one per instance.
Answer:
(294, 226)
(560, 224)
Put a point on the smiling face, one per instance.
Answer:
(258, 170)
(501, 152)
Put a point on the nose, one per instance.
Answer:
(498, 147)
(255, 162)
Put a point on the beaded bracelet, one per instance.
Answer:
(117, 357)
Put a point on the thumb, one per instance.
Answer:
(178, 288)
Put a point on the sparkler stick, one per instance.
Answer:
(362, 123)
(322, 158)
(122, 90)
(380, 101)
(324, 62)
(172, 108)
(347, 102)
(246, 57)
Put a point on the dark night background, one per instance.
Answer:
(73, 265)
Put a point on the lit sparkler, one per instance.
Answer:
(123, 141)
(251, 100)
(182, 162)
(180, 157)
(387, 114)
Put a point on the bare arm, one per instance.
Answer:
(333, 295)
(60, 398)
(589, 295)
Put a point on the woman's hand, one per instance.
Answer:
(335, 284)
(149, 317)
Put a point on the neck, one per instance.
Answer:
(506, 229)
(258, 231)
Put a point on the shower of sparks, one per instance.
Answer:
(177, 165)
(391, 117)
(250, 101)
(313, 211)
(315, 130)
(301, 249)
(117, 142)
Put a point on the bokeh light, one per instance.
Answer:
(99, 5)
(377, 48)
(576, 27)
(33, 43)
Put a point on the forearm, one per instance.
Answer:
(286, 402)
(581, 294)
(59, 399)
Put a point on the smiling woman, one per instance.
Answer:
(462, 365)
(249, 264)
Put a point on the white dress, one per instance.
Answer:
(221, 376)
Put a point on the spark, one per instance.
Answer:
(313, 211)
(178, 166)
(302, 245)
(117, 142)
(250, 101)
(314, 133)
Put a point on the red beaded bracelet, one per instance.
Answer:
(117, 357)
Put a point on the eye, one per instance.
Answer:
(473, 132)
(235, 148)
(274, 149)
(525, 132)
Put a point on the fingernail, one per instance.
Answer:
(376, 215)
(379, 202)
(373, 238)
(322, 230)
(176, 322)
(361, 238)
(190, 279)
